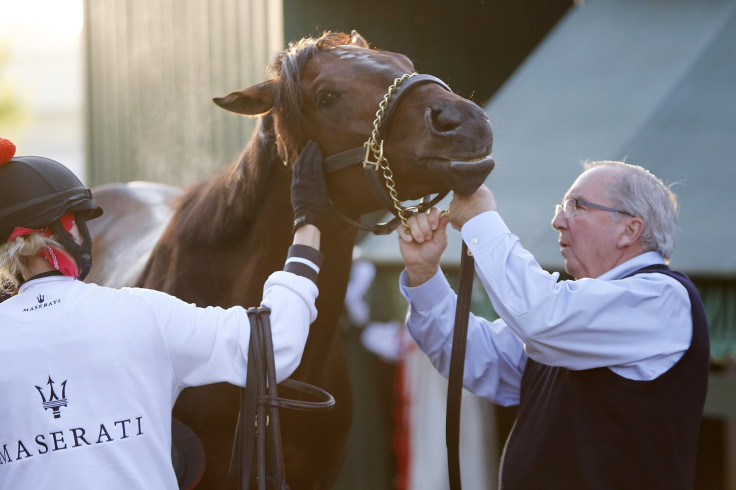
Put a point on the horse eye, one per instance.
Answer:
(326, 99)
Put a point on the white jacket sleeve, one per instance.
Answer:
(210, 345)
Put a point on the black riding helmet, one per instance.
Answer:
(35, 192)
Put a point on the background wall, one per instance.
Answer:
(152, 71)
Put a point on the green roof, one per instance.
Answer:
(652, 83)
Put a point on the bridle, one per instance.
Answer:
(258, 432)
(371, 155)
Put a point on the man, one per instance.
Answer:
(89, 374)
(610, 369)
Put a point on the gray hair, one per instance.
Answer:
(641, 193)
(14, 257)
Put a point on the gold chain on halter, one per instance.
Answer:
(374, 148)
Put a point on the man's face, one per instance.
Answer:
(589, 239)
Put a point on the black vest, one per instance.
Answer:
(593, 429)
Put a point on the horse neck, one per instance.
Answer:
(215, 209)
(238, 220)
(337, 242)
(245, 210)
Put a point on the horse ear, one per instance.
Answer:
(357, 39)
(250, 101)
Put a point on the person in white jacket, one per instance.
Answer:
(89, 374)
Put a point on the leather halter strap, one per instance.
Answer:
(356, 155)
(359, 155)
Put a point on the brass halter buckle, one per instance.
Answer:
(370, 148)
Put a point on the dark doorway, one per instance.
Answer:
(473, 45)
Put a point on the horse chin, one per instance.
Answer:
(461, 176)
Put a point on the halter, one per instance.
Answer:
(372, 157)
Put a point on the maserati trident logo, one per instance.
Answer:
(41, 302)
(53, 401)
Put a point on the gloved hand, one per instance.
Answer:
(308, 189)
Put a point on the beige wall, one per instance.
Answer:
(152, 70)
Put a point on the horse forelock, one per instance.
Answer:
(286, 67)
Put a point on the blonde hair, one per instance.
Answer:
(14, 257)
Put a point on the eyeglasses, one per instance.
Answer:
(571, 206)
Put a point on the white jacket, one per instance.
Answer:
(89, 375)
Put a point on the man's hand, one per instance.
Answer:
(462, 208)
(422, 250)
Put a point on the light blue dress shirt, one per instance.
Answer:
(638, 326)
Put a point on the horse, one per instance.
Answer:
(216, 243)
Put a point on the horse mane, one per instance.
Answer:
(213, 210)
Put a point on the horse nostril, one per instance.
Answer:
(443, 119)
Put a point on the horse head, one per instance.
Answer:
(331, 90)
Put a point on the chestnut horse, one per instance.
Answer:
(226, 234)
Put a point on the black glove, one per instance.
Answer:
(308, 190)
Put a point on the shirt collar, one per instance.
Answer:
(633, 264)
(43, 279)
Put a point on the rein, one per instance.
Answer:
(373, 159)
(259, 424)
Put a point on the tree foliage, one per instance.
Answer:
(12, 109)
